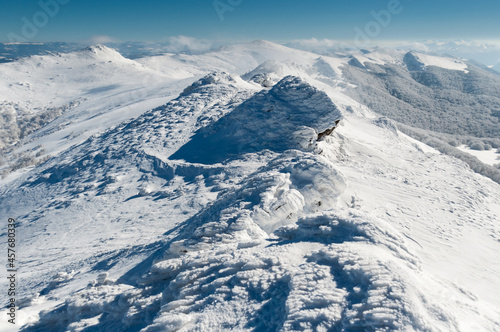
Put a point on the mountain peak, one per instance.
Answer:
(101, 51)
(419, 61)
(211, 78)
(412, 62)
(288, 116)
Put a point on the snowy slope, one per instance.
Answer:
(236, 207)
(442, 107)
(441, 62)
(67, 98)
(76, 95)
(489, 157)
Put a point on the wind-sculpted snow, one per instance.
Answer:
(262, 258)
(269, 203)
(278, 248)
(228, 270)
(110, 177)
(288, 116)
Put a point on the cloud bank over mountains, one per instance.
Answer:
(484, 52)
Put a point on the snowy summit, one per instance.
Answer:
(251, 188)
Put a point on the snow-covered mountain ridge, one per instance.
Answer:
(243, 204)
(75, 95)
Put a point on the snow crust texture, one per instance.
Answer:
(261, 202)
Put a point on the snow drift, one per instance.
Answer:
(246, 205)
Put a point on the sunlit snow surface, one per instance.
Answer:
(442, 62)
(221, 210)
(489, 157)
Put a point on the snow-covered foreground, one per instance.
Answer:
(245, 205)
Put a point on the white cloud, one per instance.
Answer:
(330, 45)
(320, 46)
(418, 46)
(179, 44)
(485, 52)
(101, 39)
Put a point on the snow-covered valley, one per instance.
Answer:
(247, 189)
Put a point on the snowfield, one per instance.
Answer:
(489, 157)
(244, 191)
(442, 62)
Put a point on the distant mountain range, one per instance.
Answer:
(133, 50)
(252, 187)
(10, 52)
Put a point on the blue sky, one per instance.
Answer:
(242, 20)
